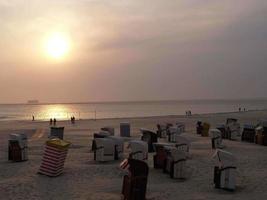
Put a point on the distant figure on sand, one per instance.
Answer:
(55, 122)
(188, 113)
(51, 121)
(33, 118)
(72, 119)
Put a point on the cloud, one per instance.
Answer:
(154, 49)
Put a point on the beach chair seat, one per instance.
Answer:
(104, 149)
(18, 147)
(138, 150)
(135, 182)
(224, 170)
(150, 137)
(216, 139)
(119, 146)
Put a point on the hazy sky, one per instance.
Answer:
(134, 50)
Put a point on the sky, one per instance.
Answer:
(122, 50)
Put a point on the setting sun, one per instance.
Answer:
(57, 45)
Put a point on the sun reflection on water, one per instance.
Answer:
(58, 111)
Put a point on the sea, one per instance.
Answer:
(103, 110)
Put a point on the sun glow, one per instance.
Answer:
(57, 45)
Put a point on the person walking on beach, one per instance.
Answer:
(55, 122)
(51, 121)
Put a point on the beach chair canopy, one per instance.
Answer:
(108, 129)
(102, 134)
(21, 138)
(164, 126)
(148, 132)
(148, 135)
(224, 158)
(231, 120)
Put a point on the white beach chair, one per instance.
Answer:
(183, 144)
(104, 149)
(119, 146)
(178, 164)
(138, 150)
(181, 126)
(233, 128)
(216, 138)
(224, 170)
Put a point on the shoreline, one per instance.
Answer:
(138, 117)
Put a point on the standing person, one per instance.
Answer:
(51, 121)
(33, 118)
(73, 120)
(55, 122)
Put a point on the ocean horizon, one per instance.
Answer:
(125, 109)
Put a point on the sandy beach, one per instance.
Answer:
(85, 179)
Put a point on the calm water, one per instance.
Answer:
(124, 109)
